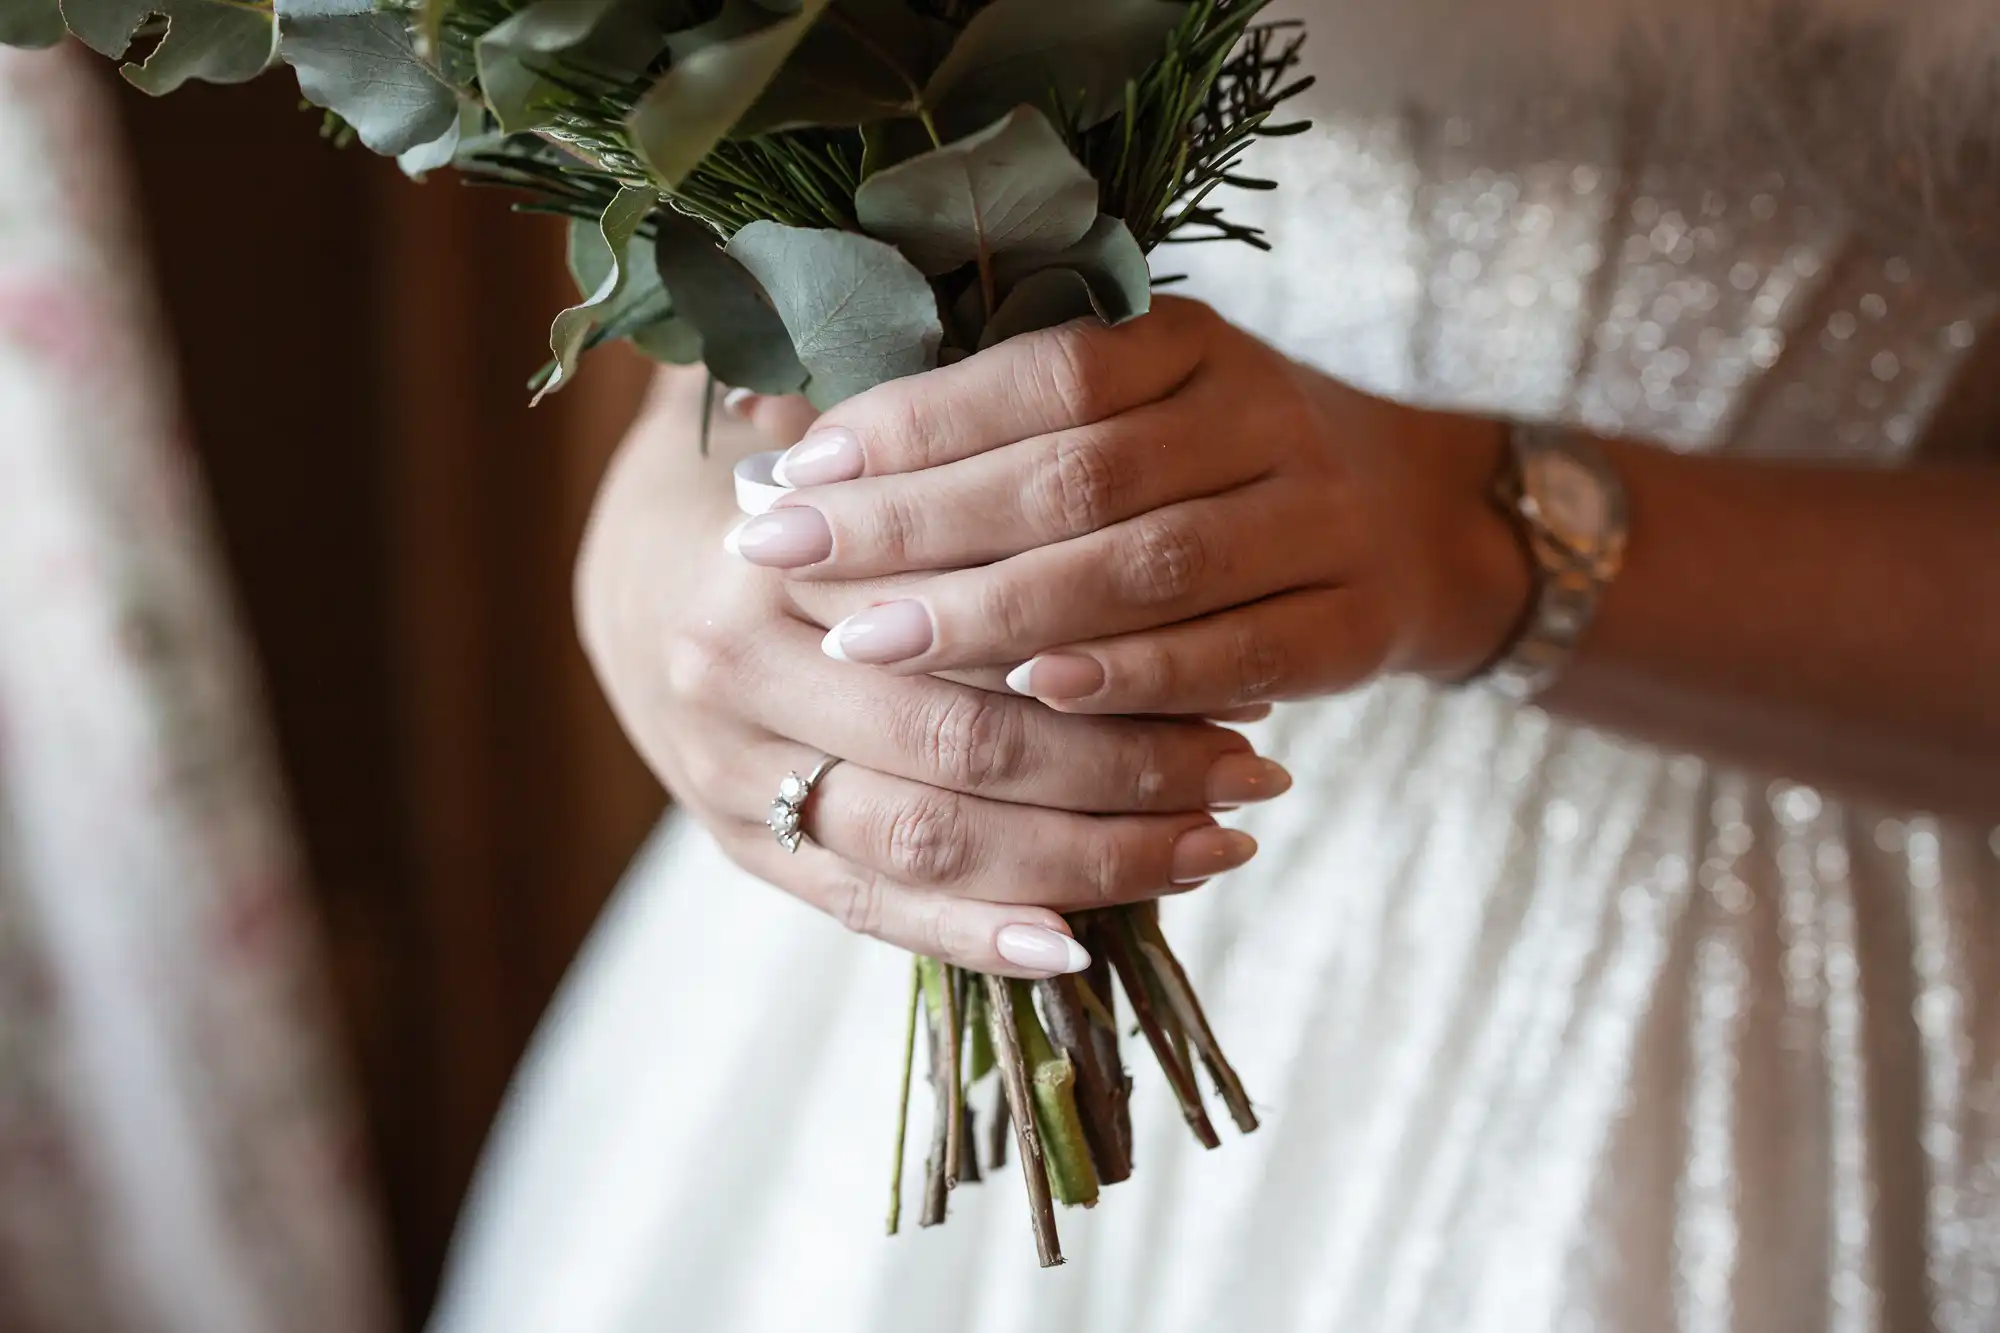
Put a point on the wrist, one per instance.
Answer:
(1480, 574)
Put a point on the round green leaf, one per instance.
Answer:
(859, 313)
(1108, 259)
(618, 284)
(1011, 188)
(361, 64)
(702, 95)
(608, 38)
(1040, 301)
(1025, 51)
(216, 41)
(744, 342)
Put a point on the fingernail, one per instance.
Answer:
(891, 632)
(1240, 779)
(1038, 949)
(1057, 676)
(1248, 713)
(1203, 852)
(823, 456)
(782, 539)
(738, 402)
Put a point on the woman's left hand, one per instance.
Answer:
(1169, 516)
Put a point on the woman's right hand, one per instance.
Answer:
(962, 821)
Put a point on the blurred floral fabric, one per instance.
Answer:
(178, 1152)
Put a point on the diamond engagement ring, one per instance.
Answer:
(789, 809)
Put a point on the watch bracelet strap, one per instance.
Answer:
(1563, 595)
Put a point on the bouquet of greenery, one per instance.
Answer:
(816, 196)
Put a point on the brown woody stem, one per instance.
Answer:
(1180, 993)
(1069, 1027)
(954, 1143)
(1100, 1000)
(1119, 940)
(996, 1143)
(1021, 1110)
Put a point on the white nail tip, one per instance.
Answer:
(1075, 957)
(1017, 679)
(830, 645)
(732, 540)
(734, 400)
(778, 471)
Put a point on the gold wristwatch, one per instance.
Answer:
(1560, 490)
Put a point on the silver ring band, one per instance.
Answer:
(788, 810)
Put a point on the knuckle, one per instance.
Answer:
(1070, 369)
(1258, 664)
(1106, 867)
(1011, 613)
(1151, 673)
(974, 740)
(949, 932)
(860, 903)
(702, 659)
(925, 845)
(1082, 484)
(1165, 561)
(895, 526)
(908, 435)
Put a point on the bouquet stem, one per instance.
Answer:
(1156, 1020)
(1065, 1094)
(1021, 1109)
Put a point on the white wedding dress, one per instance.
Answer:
(1550, 1030)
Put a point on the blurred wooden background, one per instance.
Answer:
(400, 527)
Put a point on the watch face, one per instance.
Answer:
(1568, 500)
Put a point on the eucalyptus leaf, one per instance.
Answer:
(865, 63)
(696, 103)
(606, 38)
(31, 23)
(216, 41)
(670, 339)
(607, 262)
(1025, 51)
(1108, 259)
(443, 151)
(743, 340)
(735, 20)
(858, 312)
(361, 64)
(1012, 188)
(1040, 301)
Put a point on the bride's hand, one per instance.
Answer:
(1164, 517)
(962, 822)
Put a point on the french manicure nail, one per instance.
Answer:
(738, 402)
(782, 539)
(1038, 949)
(1203, 852)
(1240, 779)
(1057, 676)
(824, 456)
(891, 632)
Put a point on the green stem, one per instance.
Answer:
(903, 1101)
(1072, 1174)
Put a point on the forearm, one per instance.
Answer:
(1832, 624)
